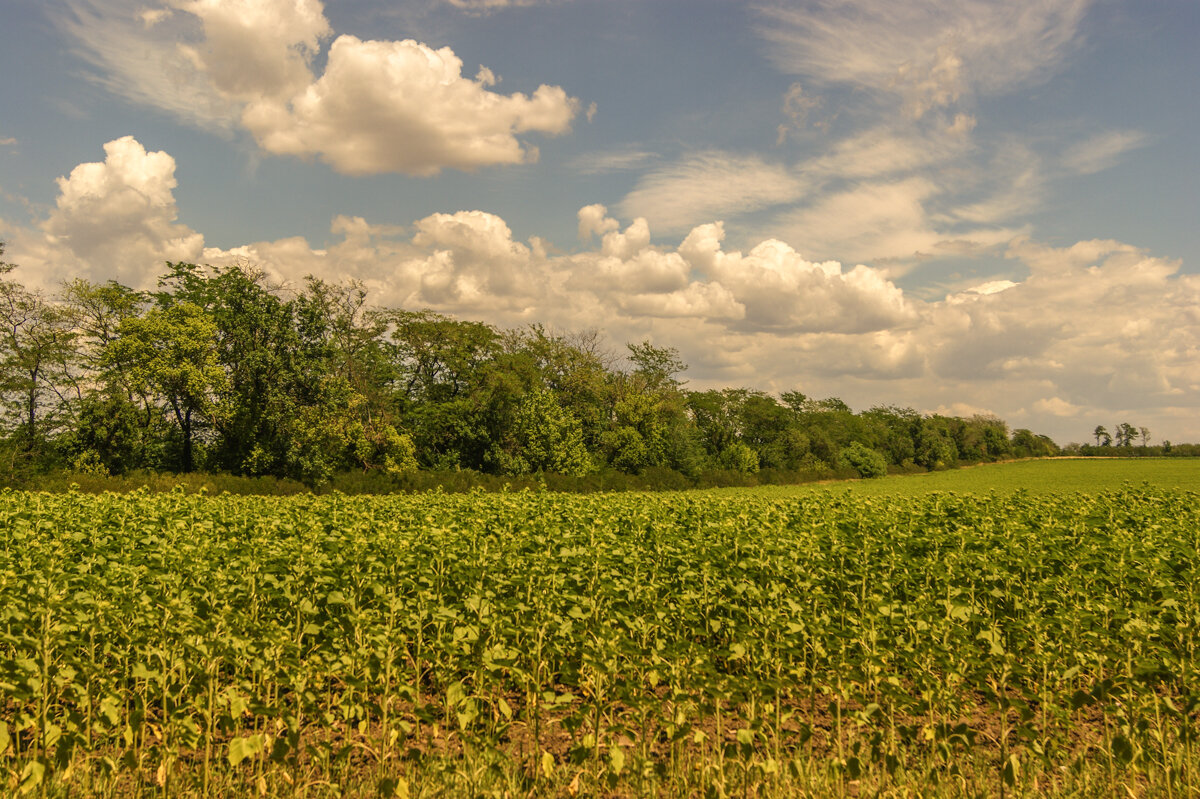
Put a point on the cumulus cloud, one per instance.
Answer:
(379, 106)
(256, 48)
(405, 107)
(1099, 329)
(709, 185)
(112, 219)
(1103, 323)
(783, 292)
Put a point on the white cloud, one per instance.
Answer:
(1017, 185)
(709, 185)
(611, 161)
(257, 48)
(112, 219)
(871, 221)
(379, 106)
(798, 104)
(783, 292)
(1103, 150)
(594, 221)
(405, 107)
(1056, 406)
(139, 58)
(1088, 334)
(486, 6)
(884, 151)
(929, 54)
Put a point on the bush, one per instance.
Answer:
(864, 460)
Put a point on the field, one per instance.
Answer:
(769, 642)
(1039, 476)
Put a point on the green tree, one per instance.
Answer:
(656, 366)
(1027, 444)
(36, 348)
(1124, 434)
(548, 438)
(650, 426)
(862, 459)
(447, 387)
(171, 353)
(739, 457)
(935, 447)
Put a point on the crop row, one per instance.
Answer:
(190, 645)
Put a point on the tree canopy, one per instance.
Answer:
(218, 370)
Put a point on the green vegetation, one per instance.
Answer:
(1043, 476)
(534, 643)
(219, 372)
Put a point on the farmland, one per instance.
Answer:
(743, 643)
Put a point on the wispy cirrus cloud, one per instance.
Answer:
(1102, 150)
(487, 6)
(710, 185)
(930, 53)
(597, 163)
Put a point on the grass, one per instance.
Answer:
(1041, 476)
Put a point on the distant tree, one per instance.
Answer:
(1144, 432)
(1103, 439)
(1125, 433)
(1027, 444)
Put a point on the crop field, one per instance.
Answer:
(817, 643)
(1038, 476)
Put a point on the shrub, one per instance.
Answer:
(864, 460)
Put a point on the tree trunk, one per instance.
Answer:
(186, 428)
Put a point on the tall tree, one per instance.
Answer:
(171, 353)
(36, 347)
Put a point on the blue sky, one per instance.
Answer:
(962, 206)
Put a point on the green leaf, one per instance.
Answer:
(245, 747)
(31, 776)
(616, 759)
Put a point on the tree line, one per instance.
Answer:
(219, 371)
(1129, 441)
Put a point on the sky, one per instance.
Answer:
(960, 206)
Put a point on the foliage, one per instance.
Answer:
(221, 371)
(541, 644)
(548, 438)
(863, 460)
